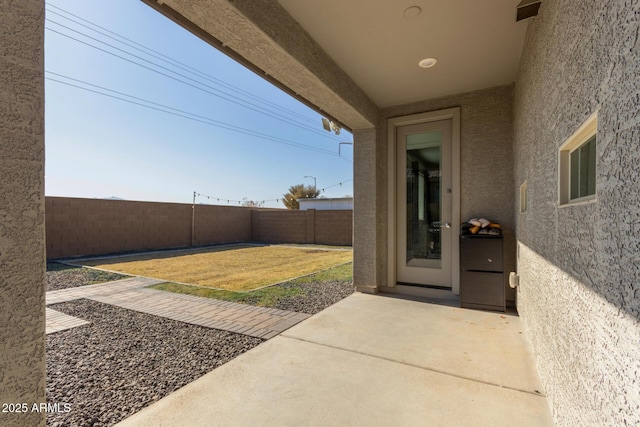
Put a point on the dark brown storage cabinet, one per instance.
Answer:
(482, 272)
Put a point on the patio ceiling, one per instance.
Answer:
(477, 44)
(350, 58)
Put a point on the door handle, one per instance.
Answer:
(447, 225)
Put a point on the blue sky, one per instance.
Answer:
(98, 146)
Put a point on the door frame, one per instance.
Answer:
(393, 123)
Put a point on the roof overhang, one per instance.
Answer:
(349, 59)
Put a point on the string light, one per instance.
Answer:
(260, 202)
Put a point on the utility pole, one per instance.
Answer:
(193, 220)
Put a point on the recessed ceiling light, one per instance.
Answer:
(427, 62)
(412, 12)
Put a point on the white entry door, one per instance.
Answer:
(424, 203)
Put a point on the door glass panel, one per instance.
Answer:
(424, 158)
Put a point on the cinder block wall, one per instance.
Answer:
(333, 227)
(222, 224)
(579, 294)
(278, 226)
(311, 226)
(22, 256)
(78, 227)
(82, 227)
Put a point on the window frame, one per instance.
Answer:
(580, 137)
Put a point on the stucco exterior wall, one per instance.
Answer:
(368, 268)
(486, 163)
(22, 250)
(579, 294)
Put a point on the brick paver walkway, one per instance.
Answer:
(57, 321)
(260, 322)
(89, 291)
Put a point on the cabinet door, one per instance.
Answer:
(481, 253)
(482, 289)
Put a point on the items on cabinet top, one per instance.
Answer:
(480, 227)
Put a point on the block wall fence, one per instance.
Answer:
(82, 227)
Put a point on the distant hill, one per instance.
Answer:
(113, 198)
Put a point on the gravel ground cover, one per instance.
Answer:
(311, 297)
(314, 296)
(124, 360)
(62, 276)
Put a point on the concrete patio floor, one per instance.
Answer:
(371, 360)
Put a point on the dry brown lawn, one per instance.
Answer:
(234, 268)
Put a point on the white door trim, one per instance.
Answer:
(392, 124)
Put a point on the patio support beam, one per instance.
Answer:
(365, 219)
(262, 36)
(22, 236)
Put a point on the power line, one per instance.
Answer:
(180, 64)
(225, 95)
(159, 55)
(187, 115)
(197, 118)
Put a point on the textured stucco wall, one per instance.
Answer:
(579, 294)
(22, 249)
(367, 270)
(486, 163)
